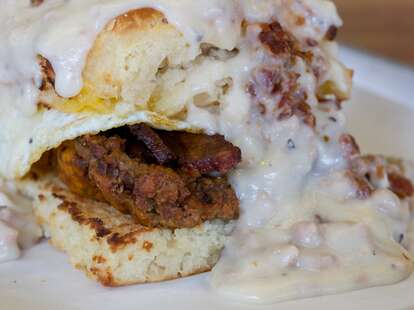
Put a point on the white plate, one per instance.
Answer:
(382, 119)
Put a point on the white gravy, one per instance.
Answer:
(18, 227)
(302, 232)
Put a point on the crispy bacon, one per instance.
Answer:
(195, 153)
(271, 81)
(281, 43)
(400, 185)
(154, 143)
(276, 40)
(203, 154)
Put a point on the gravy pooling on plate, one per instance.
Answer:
(264, 74)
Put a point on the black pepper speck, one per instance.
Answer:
(291, 145)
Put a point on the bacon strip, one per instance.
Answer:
(154, 143)
(202, 154)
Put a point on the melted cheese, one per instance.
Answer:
(301, 232)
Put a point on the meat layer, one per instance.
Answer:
(177, 194)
